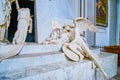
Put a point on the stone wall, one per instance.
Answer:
(109, 35)
(48, 11)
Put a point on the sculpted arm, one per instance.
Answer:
(30, 25)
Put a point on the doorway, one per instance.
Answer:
(13, 24)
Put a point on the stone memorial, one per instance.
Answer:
(56, 29)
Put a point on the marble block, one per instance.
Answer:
(32, 48)
(65, 70)
(95, 51)
(37, 48)
(109, 63)
(27, 60)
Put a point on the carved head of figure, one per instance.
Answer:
(55, 34)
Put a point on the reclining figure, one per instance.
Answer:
(76, 48)
(57, 36)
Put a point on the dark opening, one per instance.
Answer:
(13, 24)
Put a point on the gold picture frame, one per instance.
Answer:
(102, 13)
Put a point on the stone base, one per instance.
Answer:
(32, 48)
(29, 48)
(55, 67)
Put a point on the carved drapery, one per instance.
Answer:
(24, 21)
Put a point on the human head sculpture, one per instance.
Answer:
(56, 29)
(55, 33)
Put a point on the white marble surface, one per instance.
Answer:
(58, 71)
(37, 48)
(109, 63)
(65, 70)
(32, 48)
(49, 10)
(28, 60)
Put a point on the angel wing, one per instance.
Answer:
(84, 24)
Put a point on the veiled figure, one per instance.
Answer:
(24, 21)
(24, 25)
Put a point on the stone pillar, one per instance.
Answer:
(112, 22)
(91, 16)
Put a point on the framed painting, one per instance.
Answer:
(102, 13)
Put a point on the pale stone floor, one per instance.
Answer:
(117, 77)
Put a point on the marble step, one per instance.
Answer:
(26, 60)
(65, 70)
(32, 54)
(29, 48)
(38, 48)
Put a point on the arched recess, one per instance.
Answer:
(13, 24)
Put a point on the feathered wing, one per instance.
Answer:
(91, 27)
(85, 24)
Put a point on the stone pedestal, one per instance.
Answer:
(47, 62)
(54, 66)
